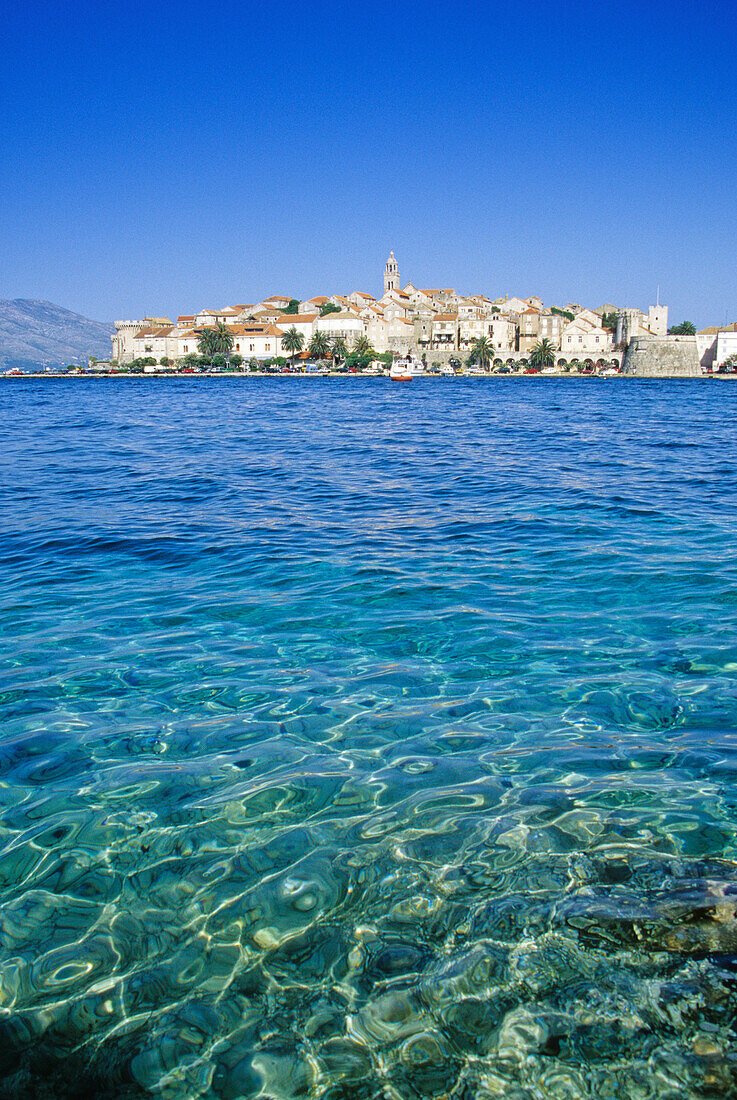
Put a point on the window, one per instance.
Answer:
(186, 348)
(237, 347)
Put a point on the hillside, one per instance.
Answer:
(38, 333)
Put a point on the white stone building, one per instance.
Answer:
(726, 345)
(346, 325)
(250, 341)
(503, 335)
(390, 334)
(156, 343)
(304, 323)
(584, 338)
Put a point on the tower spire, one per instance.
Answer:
(391, 274)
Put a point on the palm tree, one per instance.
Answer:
(319, 346)
(543, 354)
(339, 349)
(215, 341)
(482, 352)
(223, 339)
(205, 343)
(363, 348)
(292, 341)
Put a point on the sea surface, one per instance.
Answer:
(366, 741)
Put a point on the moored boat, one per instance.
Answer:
(404, 370)
(400, 372)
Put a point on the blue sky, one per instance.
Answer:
(160, 157)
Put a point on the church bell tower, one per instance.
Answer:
(391, 274)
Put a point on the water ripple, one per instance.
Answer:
(363, 743)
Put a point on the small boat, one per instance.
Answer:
(404, 370)
(400, 372)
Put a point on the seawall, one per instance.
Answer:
(662, 357)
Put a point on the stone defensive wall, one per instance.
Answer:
(662, 357)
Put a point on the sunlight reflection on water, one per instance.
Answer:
(368, 743)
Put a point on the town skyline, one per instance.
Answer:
(162, 155)
(405, 319)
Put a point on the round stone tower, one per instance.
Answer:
(391, 274)
(123, 340)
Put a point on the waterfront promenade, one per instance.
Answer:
(428, 376)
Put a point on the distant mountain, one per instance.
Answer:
(38, 333)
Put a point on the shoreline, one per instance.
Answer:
(60, 376)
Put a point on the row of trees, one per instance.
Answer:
(218, 342)
(542, 355)
(322, 347)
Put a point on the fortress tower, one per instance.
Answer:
(658, 320)
(627, 326)
(123, 340)
(391, 274)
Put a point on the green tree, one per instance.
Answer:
(293, 306)
(543, 354)
(253, 363)
(562, 312)
(206, 343)
(319, 346)
(339, 349)
(328, 307)
(609, 320)
(361, 354)
(359, 362)
(164, 362)
(292, 341)
(219, 360)
(686, 328)
(215, 341)
(363, 349)
(482, 352)
(236, 360)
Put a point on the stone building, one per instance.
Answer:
(124, 349)
(633, 322)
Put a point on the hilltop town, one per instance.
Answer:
(435, 323)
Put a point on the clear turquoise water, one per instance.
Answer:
(368, 741)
